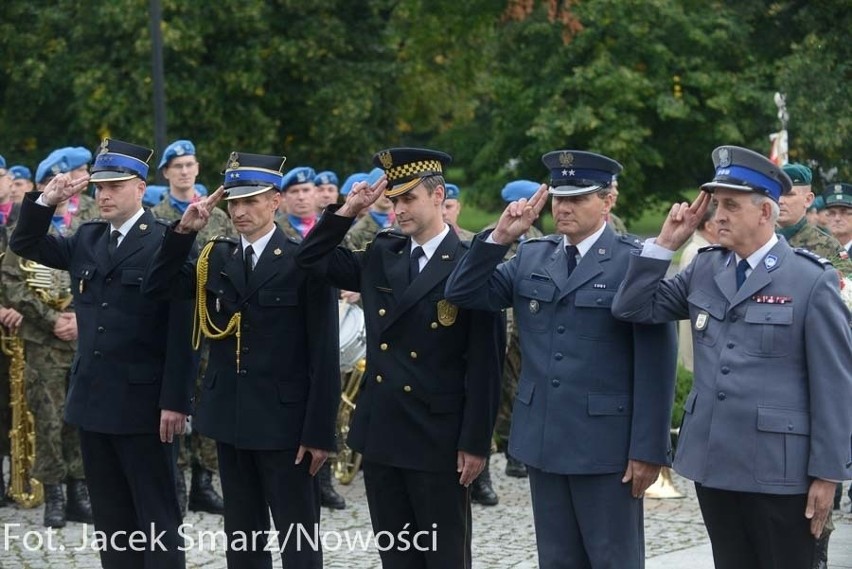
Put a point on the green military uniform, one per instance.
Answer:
(512, 367)
(464, 234)
(806, 236)
(283, 222)
(5, 412)
(617, 224)
(202, 449)
(87, 209)
(48, 362)
(361, 233)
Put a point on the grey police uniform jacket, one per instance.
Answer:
(769, 407)
(594, 391)
(134, 355)
(286, 389)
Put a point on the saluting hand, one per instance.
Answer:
(60, 188)
(519, 216)
(197, 215)
(318, 458)
(362, 196)
(682, 221)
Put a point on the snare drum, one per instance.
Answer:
(353, 337)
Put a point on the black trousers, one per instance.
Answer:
(131, 481)
(255, 482)
(757, 531)
(431, 504)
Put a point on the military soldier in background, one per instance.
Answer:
(327, 190)
(452, 208)
(180, 168)
(614, 221)
(8, 209)
(297, 214)
(22, 182)
(838, 211)
(10, 319)
(50, 339)
(513, 191)
(793, 223)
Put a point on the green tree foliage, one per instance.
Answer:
(656, 84)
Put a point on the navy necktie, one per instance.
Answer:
(113, 242)
(247, 258)
(571, 251)
(414, 263)
(742, 267)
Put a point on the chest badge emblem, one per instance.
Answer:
(534, 306)
(447, 313)
(701, 321)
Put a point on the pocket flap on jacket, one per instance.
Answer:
(609, 404)
(769, 314)
(525, 392)
(775, 420)
(594, 298)
(538, 290)
(713, 305)
(132, 276)
(277, 297)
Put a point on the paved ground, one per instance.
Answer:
(503, 535)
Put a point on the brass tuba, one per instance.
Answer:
(347, 462)
(51, 286)
(26, 491)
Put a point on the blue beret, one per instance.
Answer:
(54, 164)
(2, 162)
(18, 172)
(298, 175)
(351, 181)
(175, 149)
(799, 174)
(154, 195)
(118, 161)
(576, 172)
(250, 174)
(452, 191)
(747, 171)
(327, 177)
(519, 189)
(76, 156)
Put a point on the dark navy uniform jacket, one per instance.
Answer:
(431, 387)
(134, 354)
(594, 391)
(286, 390)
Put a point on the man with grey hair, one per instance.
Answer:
(766, 428)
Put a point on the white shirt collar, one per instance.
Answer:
(586, 244)
(755, 258)
(259, 245)
(430, 246)
(127, 225)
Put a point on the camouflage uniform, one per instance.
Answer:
(87, 209)
(202, 449)
(48, 362)
(464, 234)
(512, 367)
(806, 236)
(5, 412)
(361, 233)
(283, 221)
(617, 224)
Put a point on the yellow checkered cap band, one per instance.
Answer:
(407, 172)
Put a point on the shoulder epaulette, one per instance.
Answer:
(292, 239)
(224, 239)
(163, 221)
(630, 239)
(822, 261)
(391, 232)
(543, 239)
(711, 248)
(95, 220)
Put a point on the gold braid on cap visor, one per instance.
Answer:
(404, 177)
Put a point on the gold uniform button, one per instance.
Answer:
(434, 325)
(407, 389)
(413, 355)
(383, 347)
(382, 311)
(378, 379)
